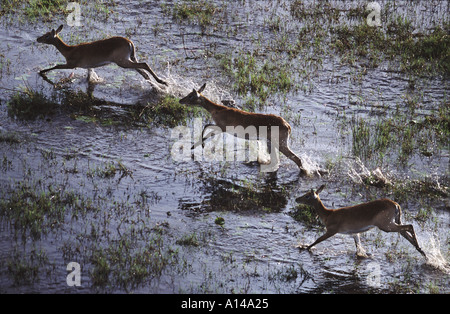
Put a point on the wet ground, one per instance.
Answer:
(95, 183)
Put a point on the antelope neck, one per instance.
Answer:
(62, 47)
(211, 106)
(322, 211)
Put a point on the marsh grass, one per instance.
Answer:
(25, 269)
(416, 53)
(110, 170)
(34, 211)
(401, 135)
(31, 105)
(245, 196)
(257, 76)
(127, 263)
(10, 137)
(168, 112)
(201, 12)
(188, 240)
(306, 215)
(133, 256)
(48, 10)
(34, 9)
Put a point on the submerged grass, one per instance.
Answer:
(258, 76)
(32, 105)
(416, 53)
(402, 135)
(34, 8)
(197, 12)
(127, 263)
(168, 112)
(25, 269)
(48, 10)
(306, 215)
(34, 211)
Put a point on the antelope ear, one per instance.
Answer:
(59, 29)
(201, 88)
(320, 189)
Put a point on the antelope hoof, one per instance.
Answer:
(302, 247)
(305, 172)
(362, 255)
(323, 172)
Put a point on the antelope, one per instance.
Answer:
(383, 213)
(118, 50)
(225, 116)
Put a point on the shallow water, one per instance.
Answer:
(158, 200)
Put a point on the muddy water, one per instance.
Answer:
(161, 201)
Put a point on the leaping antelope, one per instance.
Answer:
(225, 117)
(384, 214)
(118, 50)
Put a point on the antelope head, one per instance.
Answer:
(311, 197)
(50, 37)
(194, 97)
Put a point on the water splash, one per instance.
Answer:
(360, 174)
(180, 86)
(311, 165)
(434, 256)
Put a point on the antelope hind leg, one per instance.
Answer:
(360, 252)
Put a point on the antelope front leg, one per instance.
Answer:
(57, 67)
(292, 156)
(45, 78)
(202, 140)
(411, 237)
(327, 235)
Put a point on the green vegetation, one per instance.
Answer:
(109, 170)
(34, 9)
(31, 105)
(306, 215)
(259, 77)
(128, 262)
(245, 196)
(48, 10)
(168, 112)
(188, 240)
(198, 12)
(10, 137)
(24, 269)
(35, 211)
(416, 53)
(403, 135)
